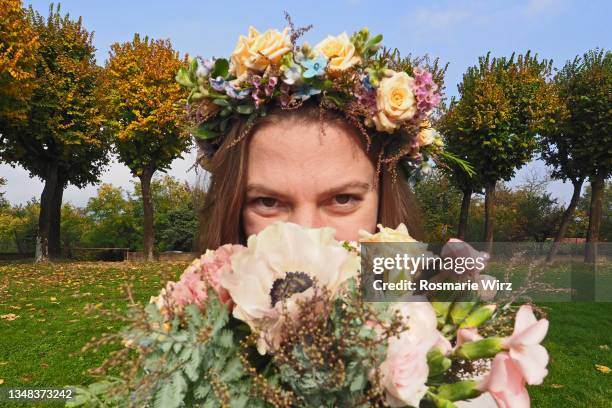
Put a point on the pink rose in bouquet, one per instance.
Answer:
(405, 370)
(192, 286)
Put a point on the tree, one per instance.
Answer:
(579, 225)
(438, 198)
(18, 227)
(75, 224)
(112, 216)
(4, 204)
(580, 146)
(503, 104)
(585, 84)
(60, 142)
(141, 99)
(536, 213)
(18, 55)
(175, 219)
(466, 183)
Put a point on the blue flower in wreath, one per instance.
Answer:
(304, 92)
(236, 93)
(218, 84)
(367, 84)
(315, 66)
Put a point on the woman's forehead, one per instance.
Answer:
(295, 154)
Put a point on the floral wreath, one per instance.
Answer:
(380, 93)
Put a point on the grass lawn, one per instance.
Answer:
(47, 325)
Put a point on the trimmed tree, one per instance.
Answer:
(503, 104)
(583, 146)
(141, 101)
(468, 184)
(18, 56)
(60, 142)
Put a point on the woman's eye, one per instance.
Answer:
(343, 198)
(268, 202)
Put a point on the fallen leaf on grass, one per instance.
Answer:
(556, 385)
(53, 299)
(10, 317)
(602, 368)
(604, 347)
(1, 381)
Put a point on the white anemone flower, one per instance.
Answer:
(279, 267)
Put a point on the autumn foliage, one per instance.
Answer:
(142, 102)
(18, 54)
(59, 138)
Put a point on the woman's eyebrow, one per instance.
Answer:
(260, 189)
(361, 186)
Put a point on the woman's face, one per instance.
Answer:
(296, 174)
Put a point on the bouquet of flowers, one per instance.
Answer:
(283, 322)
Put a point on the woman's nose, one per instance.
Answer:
(306, 216)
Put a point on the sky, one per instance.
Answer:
(457, 32)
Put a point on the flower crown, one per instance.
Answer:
(380, 93)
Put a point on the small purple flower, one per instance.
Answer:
(269, 89)
(425, 91)
(255, 80)
(285, 98)
(314, 67)
(366, 95)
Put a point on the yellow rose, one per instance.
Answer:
(427, 135)
(340, 51)
(395, 101)
(258, 50)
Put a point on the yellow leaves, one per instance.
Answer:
(1, 381)
(9, 317)
(18, 39)
(603, 369)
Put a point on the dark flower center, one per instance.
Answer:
(292, 283)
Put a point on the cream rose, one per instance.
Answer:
(340, 51)
(386, 234)
(258, 50)
(426, 136)
(395, 101)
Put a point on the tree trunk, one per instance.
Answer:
(54, 243)
(44, 217)
(489, 215)
(595, 212)
(565, 220)
(147, 205)
(463, 216)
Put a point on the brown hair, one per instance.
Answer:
(221, 214)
